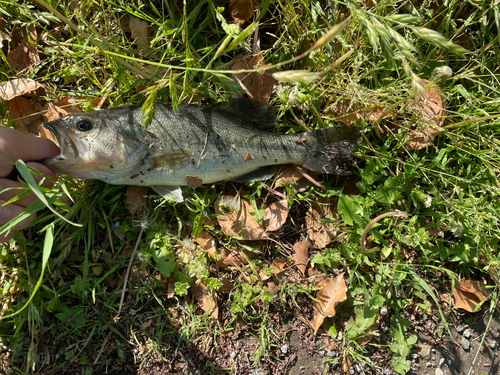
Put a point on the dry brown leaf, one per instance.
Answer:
(241, 10)
(69, 105)
(287, 175)
(236, 219)
(227, 286)
(332, 293)
(207, 243)
(276, 267)
(51, 112)
(4, 38)
(257, 85)
(348, 113)
(25, 56)
(26, 114)
(206, 301)
(275, 215)
(321, 233)
(170, 289)
(468, 294)
(433, 113)
(492, 270)
(193, 181)
(301, 256)
(136, 200)
(18, 87)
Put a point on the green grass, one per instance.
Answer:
(452, 184)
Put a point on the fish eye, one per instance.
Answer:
(84, 125)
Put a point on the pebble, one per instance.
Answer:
(387, 371)
(340, 336)
(439, 372)
(493, 344)
(331, 353)
(197, 372)
(465, 344)
(426, 351)
(351, 371)
(318, 343)
(433, 351)
(428, 364)
(449, 362)
(132, 312)
(284, 349)
(460, 328)
(433, 358)
(233, 354)
(414, 356)
(441, 362)
(468, 333)
(357, 368)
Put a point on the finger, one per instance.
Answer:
(9, 212)
(18, 188)
(44, 170)
(23, 146)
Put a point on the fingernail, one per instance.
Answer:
(4, 211)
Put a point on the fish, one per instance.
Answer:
(191, 145)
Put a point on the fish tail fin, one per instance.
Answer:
(328, 149)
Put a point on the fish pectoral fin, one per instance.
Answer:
(167, 159)
(174, 193)
(261, 174)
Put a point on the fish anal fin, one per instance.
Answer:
(261, 174)
(167, 159)
(174, 193)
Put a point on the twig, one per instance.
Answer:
(398, 214)
(128, 269)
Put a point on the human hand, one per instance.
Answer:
(29, 149)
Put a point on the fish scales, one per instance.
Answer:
(190, 146)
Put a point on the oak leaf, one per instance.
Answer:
(468, 294)
(275, 215)
(17, 87)
(301, 256)
(330, 295)
(234, 215)
(136, 200)
(25, 56)
(207, 301)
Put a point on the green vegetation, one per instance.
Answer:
(61, 279)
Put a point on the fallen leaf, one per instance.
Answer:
(51, 112)
(170, 289)
(275, 215)
(276, 267)
(492, 270)
(257, 85)
(433, 113)
(18, 87)
(26, 114)
(226, 287)
(330, 295)
(119, 233)
(139, 30)
(4, 38)
(238, 221)
(25, 56)
(138, 275)
(207, 243)
(288, 175)
(193, 181)
(320, 228)
(206, 301)
(348, 112)
(468, 294)
(136, 200)
(301, 256)
(241, 10)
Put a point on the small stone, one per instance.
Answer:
(439, 372)
(351, 371)
(465, 344)
(433, 351)
(468, 333)
(493, 344)
(449, 362)
(357, 368)
(426, 351)
(302, 368)
(460, 328)
(331, 353)
(387, 371)
(197, 372)
(433, 358)
(132, 312)
(233, 354)
(318, 343)
(414, 356)
(428, 364)
(284, 349)
(441, 362)
(340, 336)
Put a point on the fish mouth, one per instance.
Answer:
(68, 147)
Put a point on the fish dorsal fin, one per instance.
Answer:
(174, 193)
(258, 115)
(167, 159)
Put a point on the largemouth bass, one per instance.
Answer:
(190, 146)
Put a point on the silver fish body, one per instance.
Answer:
(190, 146)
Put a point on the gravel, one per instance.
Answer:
(465, 344)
